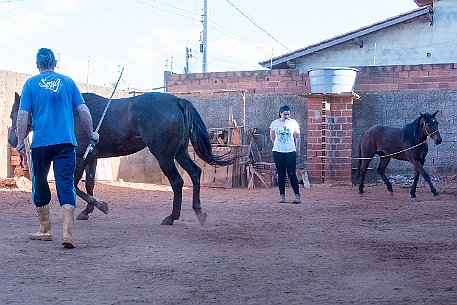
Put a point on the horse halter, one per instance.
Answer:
(429, 134)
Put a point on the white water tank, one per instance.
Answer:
(337, 80)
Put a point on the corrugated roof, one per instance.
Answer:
(283, 59)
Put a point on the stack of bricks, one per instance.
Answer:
(329, 138)
(19, 171)
(267, 172)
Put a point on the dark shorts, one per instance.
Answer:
(63, 157)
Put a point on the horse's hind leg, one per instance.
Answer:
(414, 186)
(362, 169)
(194, 172)
(171, 172)
(383, 162)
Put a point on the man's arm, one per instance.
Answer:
(86, 120)
(21, 129)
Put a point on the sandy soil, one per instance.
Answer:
(334, 248)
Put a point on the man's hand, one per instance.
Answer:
(20, 148)
(95, 136)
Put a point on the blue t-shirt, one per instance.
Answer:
(49, 97)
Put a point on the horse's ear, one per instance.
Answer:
(16, 96)
(434, 113)
(421, 114)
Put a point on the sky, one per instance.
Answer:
(95, 39)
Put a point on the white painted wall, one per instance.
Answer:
(403, 44)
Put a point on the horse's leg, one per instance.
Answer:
(90, 168)
(79, 170)
(362, 169)
(171, 172)
(90, 185)
(194, 172)
(418, 166)
(414, 186)
(383, 162)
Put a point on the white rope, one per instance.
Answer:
(399, 152)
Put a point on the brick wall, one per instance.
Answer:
(280, 81)
(383, 78)
(390, 95)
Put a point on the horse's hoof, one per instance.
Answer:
(361, 194)
(82, 216)
(437, 197)
(414, 199)
(167, 221)
(202, 218)
(391, 193)
(102, 206)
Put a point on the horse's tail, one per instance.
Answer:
(199, 137)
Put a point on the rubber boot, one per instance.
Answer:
(44, 232)
(67, 226)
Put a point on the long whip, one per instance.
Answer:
(92, 143)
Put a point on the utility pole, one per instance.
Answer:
(203, 45)
(88, 66)
(58, 62)
(188, 55)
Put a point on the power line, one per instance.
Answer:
(169, 5)
(192, 25)
(253, 22)
(235, 36)
(166, 10)
(216, 26)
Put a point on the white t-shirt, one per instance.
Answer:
(284, 131)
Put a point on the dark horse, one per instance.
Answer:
(407, 144)
(162, 122)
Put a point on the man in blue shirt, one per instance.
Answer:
(49, 98)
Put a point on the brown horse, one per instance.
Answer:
(408, 144)
(162, 122)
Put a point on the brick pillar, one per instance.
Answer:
(329, 137)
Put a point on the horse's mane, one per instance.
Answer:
(91, 96)
(411, 130)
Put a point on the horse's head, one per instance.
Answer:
(430, 127)
(12, 137)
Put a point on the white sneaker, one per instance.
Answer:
(297, 199)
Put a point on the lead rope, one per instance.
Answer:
(92, 143)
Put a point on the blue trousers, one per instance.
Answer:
(64, 158)
(286, 162)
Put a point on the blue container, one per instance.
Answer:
(336, 80)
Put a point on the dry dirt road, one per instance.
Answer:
(334, 248)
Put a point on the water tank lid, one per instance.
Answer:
(333, 68)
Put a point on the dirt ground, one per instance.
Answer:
(334, 248)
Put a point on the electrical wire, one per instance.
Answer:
(166, 10)
(253, 22)
(192, 25)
